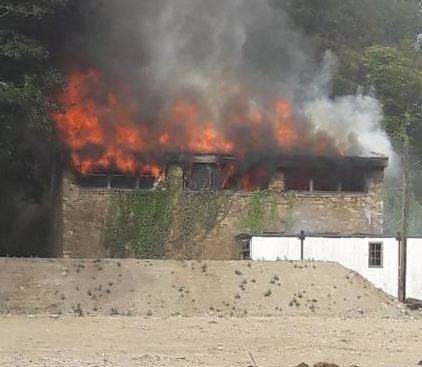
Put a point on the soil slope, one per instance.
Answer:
(187, 288)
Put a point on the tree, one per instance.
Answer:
(397, 79)
(354, 23)
(26, 80)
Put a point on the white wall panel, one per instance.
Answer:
(352, 253)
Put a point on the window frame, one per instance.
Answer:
(245, 249)
(373, 258)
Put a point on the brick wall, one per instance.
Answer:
(84, 214)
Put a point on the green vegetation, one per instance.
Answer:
(27, 151)
(261, 213)
(253, 221)
(141, 223)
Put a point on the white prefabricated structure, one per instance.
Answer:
(375, 258)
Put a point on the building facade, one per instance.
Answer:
(342, 196)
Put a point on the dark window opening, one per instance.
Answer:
(325, 180)
(325, 183)
(375, 255)
(245, 249)
(146, 182)
(94, 180)
(115, 181)
(354, 184)
(123, 182)
(205, 177)
(298, 181)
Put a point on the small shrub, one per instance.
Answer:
(77, 310)
(267, 293)
(294, 302)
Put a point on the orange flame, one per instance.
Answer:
(103, 130)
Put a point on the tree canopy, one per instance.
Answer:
(27, 78)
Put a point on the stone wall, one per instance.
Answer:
(85, 212)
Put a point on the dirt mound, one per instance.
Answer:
(187, 288)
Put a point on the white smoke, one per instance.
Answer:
(215, 47)
(354, 121)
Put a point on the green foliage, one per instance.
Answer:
(354, 23)
(144, 222)
(139, 224)
(261, 212)
(253, 221)
(397, 81)
(392, 208)
(198, 214)
(27, 78)
(290, 218)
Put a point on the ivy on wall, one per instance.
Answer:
(264, 214)
(261, 213)
(138, 224)
(290, 217)
(143, 223)
(199, 212)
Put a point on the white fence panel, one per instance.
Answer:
(275, 248)
(414, 268)
(350, 252)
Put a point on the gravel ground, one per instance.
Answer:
(204, 341)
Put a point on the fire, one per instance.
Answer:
(106, 129)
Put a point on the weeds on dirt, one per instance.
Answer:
(77, 310)
(294, 302)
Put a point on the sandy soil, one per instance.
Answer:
(205, 341)
(62, 312)
(187, 288)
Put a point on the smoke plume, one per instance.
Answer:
(221, 76)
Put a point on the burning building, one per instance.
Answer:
(187, 99)
(341, 195)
